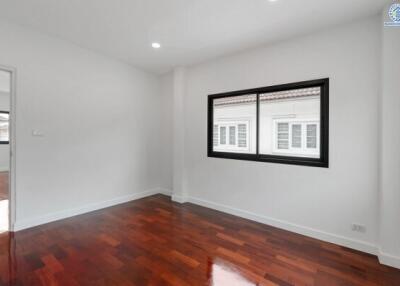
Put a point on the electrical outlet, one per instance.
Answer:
(359, 228)
(37, 133)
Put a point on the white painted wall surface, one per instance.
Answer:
(390, 142)
(100, 120)
(178, 131)
(166, 133)
(315, 201)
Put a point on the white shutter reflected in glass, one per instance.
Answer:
(232, 135)
(296, 135)
(312, 136)
(222, 135)
(242, 135)
(283, 136)
(215, 135)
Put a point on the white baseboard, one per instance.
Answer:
(389, 260)
(35, 221)
(179, 199)
(314, 233)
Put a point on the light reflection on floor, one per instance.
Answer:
(224, 275)
(3, 216)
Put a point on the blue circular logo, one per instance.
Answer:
(394, 13)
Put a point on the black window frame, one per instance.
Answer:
(323, 161)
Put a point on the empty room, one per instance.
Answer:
(200, 142)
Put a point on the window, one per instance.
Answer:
(281, 124)
(4, 127)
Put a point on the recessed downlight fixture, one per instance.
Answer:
(156, 45)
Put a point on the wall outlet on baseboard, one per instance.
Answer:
(358, 228)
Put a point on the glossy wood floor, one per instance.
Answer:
(156, 242)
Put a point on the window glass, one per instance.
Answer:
(296, 136)
(242, 135)
(283, 136)
(4, 127)
(312, 136)
(222, 138)
(289, 122)
(232, 135)
(236, 118)
(215, 135)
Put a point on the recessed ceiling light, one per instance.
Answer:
(156, 45)
(273, 0)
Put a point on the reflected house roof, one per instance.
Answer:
(271, 96)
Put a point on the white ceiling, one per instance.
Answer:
(190, 31)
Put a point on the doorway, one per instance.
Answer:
(6, 148)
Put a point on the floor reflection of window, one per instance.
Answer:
(224, 275)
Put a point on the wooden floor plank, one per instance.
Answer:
(154, 241)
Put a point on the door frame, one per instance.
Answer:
(12, 133)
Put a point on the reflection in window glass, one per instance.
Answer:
(236, 118)
(222, 137)
(215, 135)
(312, 136)
(232, 135)
(296, 136)
(4, 127)
(289, 123)
(242, 135)
(283, 136)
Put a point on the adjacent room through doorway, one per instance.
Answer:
(5, 95)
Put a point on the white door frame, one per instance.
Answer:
(12, 145)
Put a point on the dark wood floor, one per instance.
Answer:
(156, 242)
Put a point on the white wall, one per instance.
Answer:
(390, 142)
(166, 133)
(314, 201)
(101, 124)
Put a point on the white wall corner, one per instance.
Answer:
(165, 191)
(180, 199)
(179, 77)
